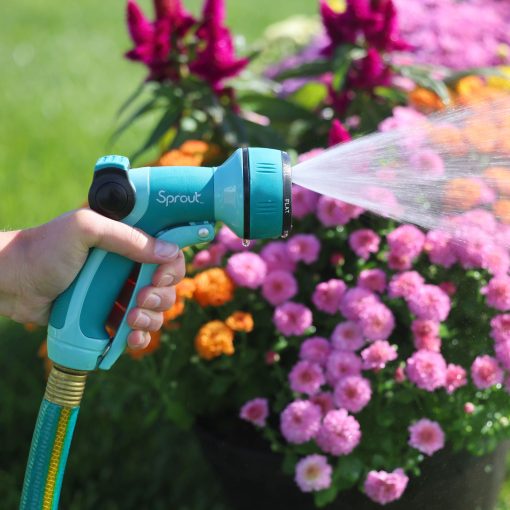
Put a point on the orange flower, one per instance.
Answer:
(499, 177)
(193, 147)
(178, 158)
(502, 210)
(449, 139)
(481, 133)
(214, 339)
(425, 100)
(462, 194)
(173, 312)
(185, 288)
(240, 321)
(30, 327)
(154, 344)
(213, 287)
(470, 86)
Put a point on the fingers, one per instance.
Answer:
(170, 273)
(93, 229)
(157, 299)
(138, 339)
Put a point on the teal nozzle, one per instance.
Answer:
(250, 193)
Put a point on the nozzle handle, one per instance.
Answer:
(77, 335)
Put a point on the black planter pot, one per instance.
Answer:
(252, 479)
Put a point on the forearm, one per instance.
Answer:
(10, 268)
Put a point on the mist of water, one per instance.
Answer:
(445, 171)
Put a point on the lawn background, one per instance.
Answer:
(63, 76)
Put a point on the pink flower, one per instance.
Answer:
(304, 201)
(292, 318)
(406, 241)
(376, 355)
(276, 256)
(279, 286)
(438, 246)
(355, 301)
(353, 393)
(247, 269)
(383, 487)
(339, 433)
(400, 375)
(377, 322)
(332, 212)
(502, 349)
(486, 372)
(430, 302)
(304, 247)
(426, 335)
(215, 59)
(230, 240)
(403, 118)
(255, 411)
(427, 370)
(372, 279)
(347, 336)
(469, 408)
(500, 325)
(315, 349)
(426, 436)
(497, 293)
(337, 133)
(456, 377)
(427, 162)
(306, 377)
(313, 473)
(364, 242)
(341, 364)
(328, 295)
(210, 257)
(324, 400)
(300, 421)
(449, 287)
(405, 284)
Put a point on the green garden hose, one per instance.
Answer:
(52, 439)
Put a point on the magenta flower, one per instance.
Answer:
(247, 269)
(304, 201)
(339, 433)
(328, 295)
(337, 134)
(347, 336)
(372, 279)
(497, 293)
(426, 436)
(355, 301)
(211, 257)
(230, 240)
(377, 355)
(306, 377)
(405, 284)
(341, 364)
(377, 322)
(438, 246)
(315, 349)
(292, 318)
(427, 370)
(332, 212)
(324, 400)
(426, 335)
(364, 242)
(300, 421)
(255, 411)
(276, 256)
(500, 327)
(313, 473)
(383, 487)
(486, 372)
(430, 303)
(304, 248)
(279, 286)
(406, 241)
(370, 71)
(353, 393)
(456, 377)
(215, 60)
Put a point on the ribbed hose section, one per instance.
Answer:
(52, 440)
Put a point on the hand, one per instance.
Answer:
(38, 264)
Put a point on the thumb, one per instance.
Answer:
(98, 231)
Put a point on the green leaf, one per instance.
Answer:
(276, 109)
(306, 70)
(310, 95)
(453, 78)
(347, 471)
(131, 98)
(168, 119)
(289, 464)
(422, 78)
(176, 412)
(323, 498)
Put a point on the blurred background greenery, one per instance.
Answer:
(63, 78)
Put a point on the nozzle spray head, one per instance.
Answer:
(250, 193)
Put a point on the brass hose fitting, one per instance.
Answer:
(65, 386)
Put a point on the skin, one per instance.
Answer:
(38, 264)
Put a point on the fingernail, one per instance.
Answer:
(142, 321)
(166, 280)
(152, 301)
(166, 250)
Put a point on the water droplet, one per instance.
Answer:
(246, 243)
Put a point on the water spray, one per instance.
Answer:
(250, 192)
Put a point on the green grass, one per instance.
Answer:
(63, 77)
